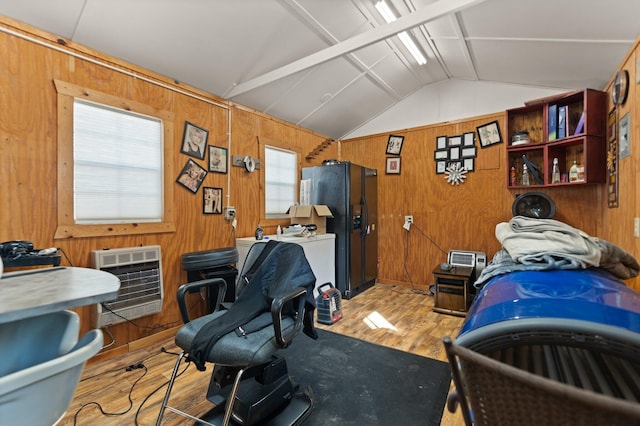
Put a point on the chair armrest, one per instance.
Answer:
(219, 283)
(276, 315)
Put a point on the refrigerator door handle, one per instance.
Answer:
(365, 227)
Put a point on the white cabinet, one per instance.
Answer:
(320, 251)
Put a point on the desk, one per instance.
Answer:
(35, 292)
(320, 251)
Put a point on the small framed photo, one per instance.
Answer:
(194, 140)
(441, 142)
(394, 145)
(212, 200)
(469, 139)
(454, 153)
(489, 134)
(469, 152)
(441, 166)
(191, 176)
(393, 165)
(217, 159)
(455, 140)
(442, 154)
(469, 164)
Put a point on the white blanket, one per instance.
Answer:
(529, 240)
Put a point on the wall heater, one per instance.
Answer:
(141, 292)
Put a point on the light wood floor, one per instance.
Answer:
(386, 315)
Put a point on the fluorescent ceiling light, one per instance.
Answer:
(408, 42)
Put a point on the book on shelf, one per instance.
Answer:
(562, 121)
(553, 122)
(580, 126)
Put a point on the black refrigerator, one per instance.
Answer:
(350, 191)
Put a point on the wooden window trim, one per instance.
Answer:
(66, 228)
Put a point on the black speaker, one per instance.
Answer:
(535, 205)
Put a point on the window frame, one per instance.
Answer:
(263, 144)
(66, 226)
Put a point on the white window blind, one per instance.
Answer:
(281, 180)
(117, 165)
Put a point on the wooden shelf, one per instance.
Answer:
(584, 143)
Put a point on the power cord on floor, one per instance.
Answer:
(129, 368)
(120, 413)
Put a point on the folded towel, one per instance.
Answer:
(534, 240)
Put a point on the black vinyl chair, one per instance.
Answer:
(493, 393)
(250, 383)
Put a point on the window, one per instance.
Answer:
(117, 165)
(281, 181)
(115, 168)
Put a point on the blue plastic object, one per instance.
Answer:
(38, 385)
(587, 301)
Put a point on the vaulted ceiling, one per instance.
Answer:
(333, 65)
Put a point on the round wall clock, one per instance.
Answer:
(620, 88)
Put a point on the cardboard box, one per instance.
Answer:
(316, 214)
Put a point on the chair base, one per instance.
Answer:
(292, 414)
(266, 394)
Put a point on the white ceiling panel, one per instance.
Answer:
(333, 65)
(355, 104)
(549, 72)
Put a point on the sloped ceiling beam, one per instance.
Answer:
(419, 17)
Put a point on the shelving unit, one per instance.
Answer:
(584, 143)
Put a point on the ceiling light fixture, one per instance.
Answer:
(388, 16)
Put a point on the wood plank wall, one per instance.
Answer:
(446, 217)
(450, 216)
(28, 151)
(618, 222)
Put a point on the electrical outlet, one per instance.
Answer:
(229, 213)
(636, 227)
(408, 219)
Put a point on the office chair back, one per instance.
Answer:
(492, 393)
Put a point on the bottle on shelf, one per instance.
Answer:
(580, 173)
(513, 176)
(555, 173)
(279, 233)
(573, 172)
(525, 175)
(259, 233)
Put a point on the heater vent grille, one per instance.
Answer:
(139, 270)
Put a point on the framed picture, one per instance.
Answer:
(394, 145)
(441, 154)
(393, 165)
(489, 134)
(454, 153)
(469, 164)
(217, 159)
(441, 166)
(611, 125)
(469, 152)
(624, 137)
(191, 176)
(468, 139)
(211, 200)
(441, 142)
(455, 140)
(194, 140)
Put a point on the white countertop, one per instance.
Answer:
(35, 292)
(288, 239)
